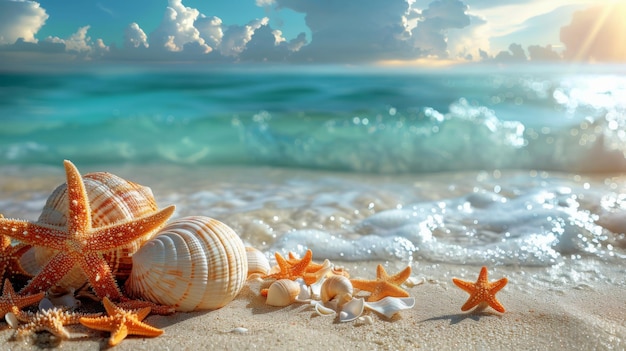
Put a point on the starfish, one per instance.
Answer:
(78, 243)
(10, 256)
(121, 323)
(293, 270)
(482, 291)
(52, 320)
(384, 285)
(10, 299)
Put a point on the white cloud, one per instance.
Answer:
(79, 41)
(20, 19)
(236, 37)
(177, 29)
(430, 34)
(210, 29)
(135, 37)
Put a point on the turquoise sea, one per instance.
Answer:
(510, 166)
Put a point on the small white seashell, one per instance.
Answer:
(413, 281)
(389, 306)
(305, 292)
(63, 297)
(365, 320)
(257, 262)
(194, 263)
(337, 286)
(11, 320)
(282, 293)
(323, 310)
(238, 330)
(352, 310)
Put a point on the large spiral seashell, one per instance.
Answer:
(112, 199)
(193, 263)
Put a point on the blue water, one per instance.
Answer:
(513, 166)
(333, 118)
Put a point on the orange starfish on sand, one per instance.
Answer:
(52, 320)
(482, 292)
(291, 270)
(121, 323)
(384, 285)
(78, 243)
(10, 299)
(10, 256)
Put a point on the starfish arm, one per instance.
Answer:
(304, 262)
(386, 289)
(495, 304)
(401, 277)
(118, 335)
(10, 300)
(498, 285)
(100, 276)
(79, 213)
(472, 302)
(482, 277)
(52, 272)
(465, 285)
(120, 234)
(13, 265)
(143, 313)
(98, 323)
(136, 327)
(362, 284)
(39, 234)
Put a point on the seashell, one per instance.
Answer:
(323, 310)
(112, 199)
(257, 262)
(12, 320)
(193, 263)
(282, 292)
(389, 306)
(352, 310)
(337, 286)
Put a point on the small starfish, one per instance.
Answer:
(482, 291)
(121, 323)
(10, 257)
(78, 243)
(10, 299)
(52, 320)
(384, 285)
(294, 270)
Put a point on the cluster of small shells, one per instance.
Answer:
(332, 295)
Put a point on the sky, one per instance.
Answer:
(384, 32)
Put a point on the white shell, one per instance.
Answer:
(352, 310)
(194, 263)
(257, 262)
(336, 286)
(389, 306)
(11, 320)
(282, 292)
(111, 199)
(323, 310)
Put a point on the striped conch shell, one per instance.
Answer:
(193, 263)
(112, 199)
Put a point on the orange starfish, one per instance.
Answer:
(52, 320)
(294, 270)
(78, 243)
(10, 299)
(10, 256)
(384, 285)
(121, 323)
(482, 291)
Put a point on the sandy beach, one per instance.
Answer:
(537, 318)
(575, 304)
